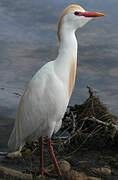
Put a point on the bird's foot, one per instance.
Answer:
(47, 172)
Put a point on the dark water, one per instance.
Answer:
(28, 40)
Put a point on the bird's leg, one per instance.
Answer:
(43, 170)
(54, 158)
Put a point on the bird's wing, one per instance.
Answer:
(41, 107)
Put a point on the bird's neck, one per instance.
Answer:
(68, 45)
(67, 59)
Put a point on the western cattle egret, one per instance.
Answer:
(47, 95)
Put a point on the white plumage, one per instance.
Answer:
(41, 107)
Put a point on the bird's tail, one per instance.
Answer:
(14, 141)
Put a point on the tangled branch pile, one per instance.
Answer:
(89, 124)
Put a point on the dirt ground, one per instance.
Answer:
(93, 163)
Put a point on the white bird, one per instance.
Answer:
(47, 95)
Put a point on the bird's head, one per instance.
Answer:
(74, 17)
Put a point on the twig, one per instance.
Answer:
(91, 91)
(65, 131)
(101, 122)
(73, 123)
(91, 134)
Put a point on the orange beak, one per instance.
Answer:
(92, 14)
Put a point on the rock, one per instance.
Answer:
(13, 155)
(101, 171)
(64, 165)
(74, 175)
(27, 152)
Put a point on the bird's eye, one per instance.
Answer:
(78, 13)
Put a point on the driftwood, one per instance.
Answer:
(8, 173)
